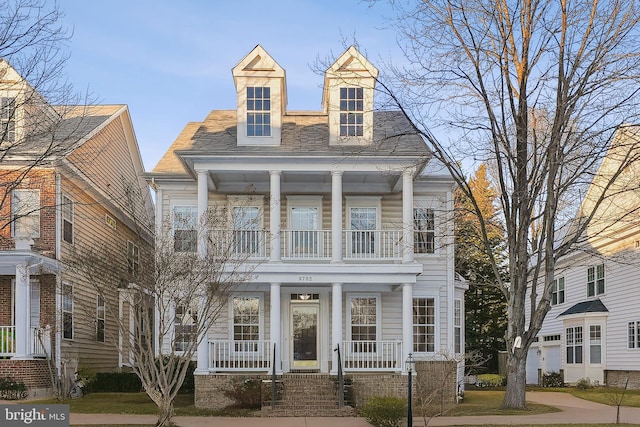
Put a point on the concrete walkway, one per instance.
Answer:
(572, 411)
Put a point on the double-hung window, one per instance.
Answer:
(595, 280)
(424, 325)
(574, 345)
(185, 232)
(363, 229)
(100, 317)
(424, 231)
(258, 111)
(67, 219)
(26, 213)
(185, 328)
(364, 323)
(246, 230)
(634, 334)
(67, 311)
(557, 293)
(133, 259)
(595, 344)
(351, 111)
(7, 119)
(246, 323)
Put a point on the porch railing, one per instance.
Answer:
(306, 244)
(39, 341)
(373, 244)
(229, 355)
(7, 340)
(372, 355)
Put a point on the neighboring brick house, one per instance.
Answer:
(65, 175)
(346, 220)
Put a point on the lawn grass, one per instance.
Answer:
(487, 402)
(604, 395)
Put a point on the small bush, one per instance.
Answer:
(11, 389)
(385, 411)
(584, 384)
(115, 382)
(552, 379)
(490, 380)
(247, 393)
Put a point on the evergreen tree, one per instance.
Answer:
(486, 305)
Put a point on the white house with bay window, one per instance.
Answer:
(593, 328)
(348, 222)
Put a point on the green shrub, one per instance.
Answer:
(490, 380)
(11, 389)
(115, 382)
(385, 411)
(246, 392)
(552, 379)
(584, 384)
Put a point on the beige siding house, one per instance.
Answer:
(75, 187)
(346, 220)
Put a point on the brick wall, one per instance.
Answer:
(618, 379)
(210, 389)
(33, 373)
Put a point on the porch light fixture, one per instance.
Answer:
(410, 364)
(304, 297)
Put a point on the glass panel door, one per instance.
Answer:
(304, 324)
(304, 234)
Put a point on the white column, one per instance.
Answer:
(203, 346)
(336, 324)
(407, 214)
(159, 218)
(274, 223)
(22, 315)
(275, 326)
(203, 201)
(336, 216)
(407, 320)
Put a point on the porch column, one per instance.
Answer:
(22, 315)
(202, 366)
(275, 326)
(336, 216)
(407, 214)
(336, 325)
(407, 320)
(203, 201)
(274, 223)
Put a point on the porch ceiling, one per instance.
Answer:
(9, 260)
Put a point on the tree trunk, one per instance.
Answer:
(165, 414)
(515, 394)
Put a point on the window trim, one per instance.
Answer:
(67, 291)
(599, 344)
(378, 298)
(458, 326)
(101, 321)
(359, 202)
(32, 215)
(414, 324)
(10, 119)
(258, 112)
(194, 209)
(594, 279)
(633, 331)
(174, 340)
(261, 325)
(574, 345)
(417, 231)
(68, 207)
(133, 259)
(357, 113)
(557, 291)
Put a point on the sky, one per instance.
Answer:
(171, 61)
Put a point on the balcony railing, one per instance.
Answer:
(39, 341)
(372, 355)
(357, 245)
(229, 355)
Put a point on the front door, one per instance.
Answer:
(304, 324)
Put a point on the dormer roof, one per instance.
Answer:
(259, 64)
(350, 65)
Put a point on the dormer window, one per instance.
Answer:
(7, 119)
(258, 111)
(351, 111)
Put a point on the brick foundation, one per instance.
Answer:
(618, 379)
(33, 373)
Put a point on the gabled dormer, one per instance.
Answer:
(262, 98)
(348, 99)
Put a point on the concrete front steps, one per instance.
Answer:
(306, 395)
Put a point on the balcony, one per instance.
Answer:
(39, 344)
(312, 245)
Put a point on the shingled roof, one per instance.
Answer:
(303, 133)
(593, 306)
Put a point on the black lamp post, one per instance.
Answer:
(410, 363)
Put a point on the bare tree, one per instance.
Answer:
(39, 118)
(536, 89)
(168, 305)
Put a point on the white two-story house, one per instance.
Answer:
(347, 220)
(593, 328)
